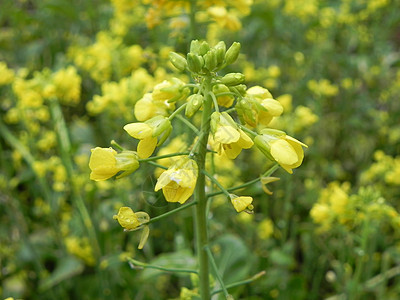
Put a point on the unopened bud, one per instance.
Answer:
(220, 50)
(195, 47)
(232, 53)
(178, 61)
(195, 62)
(194, 104)
(233, 79)
(210, 60)
(241, 88)
(203, 48)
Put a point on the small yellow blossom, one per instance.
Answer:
(241, 203)
(265, 229)
(105, 163)
(127, 218)
(284, 149)
(179, 181)
(227, 137)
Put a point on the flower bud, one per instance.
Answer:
(195, 47)
(233, 79)
(241, 203)
(210, 60)
(178, 61)
(127, 161)
(127, 218)
(232, 53)
(194, 103)
(241, 88)
(220, 50)
(195, 62)
(203, 48)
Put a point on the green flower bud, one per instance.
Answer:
(127, 161)
(232, 53)
(204, 48)
(220, 50)
(178, 61)
(210, 60)
(195, 62)
(160, 125)
(195, 47)
(215, 119)
(233, 79)
(194, 103)
(241, 88)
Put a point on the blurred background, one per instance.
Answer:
(70, 74)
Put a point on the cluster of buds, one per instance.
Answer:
(203, 59)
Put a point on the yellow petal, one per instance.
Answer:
(245, 141)
(226, 135)
(127, 218)
(274, 107)
(139, 130)
(146, 147)
(103, 163)
(175, 193)
(241, 203)
(283, 152)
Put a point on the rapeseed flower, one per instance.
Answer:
(284, 149)
(227, 137)
(242, 203)
(106, 162)
(148, 132)
(179, 181)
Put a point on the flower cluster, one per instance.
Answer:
(226, 134)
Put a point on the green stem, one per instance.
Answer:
(176, 112)
(192, 17)
(200, 196)
(228, 111)
(214, 266)
(246, 184)
(239, 283)
(171, 212)
(65, 152)
(116, 145)
(188, 124)
(163, 156)
(244, 128)
(134, 263)
(223, 190)
(157, 165)
(214, 101)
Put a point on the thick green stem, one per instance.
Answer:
(201, 197)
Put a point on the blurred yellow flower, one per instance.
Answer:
(179, 181)
(241, 203)
(265, 229)
(127, 218)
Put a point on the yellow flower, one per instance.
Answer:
(284, 149)
(170, 90)
(147, 133)
(258, 107)
(106, 162)
(179, 181)
(265, 229)
(242, 203)
(227, 137)
(127, 218)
